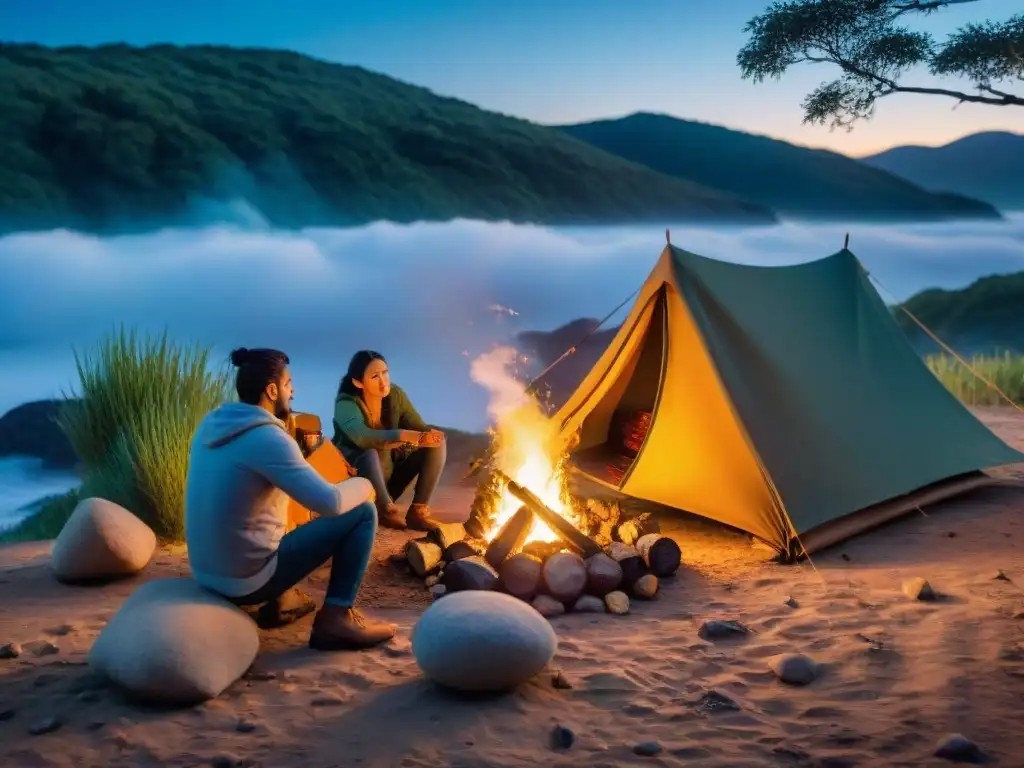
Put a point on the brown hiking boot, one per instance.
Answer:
(419, 518)
(338, 629)
(286, 609)
(391, 518)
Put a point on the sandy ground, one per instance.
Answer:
(896, 675)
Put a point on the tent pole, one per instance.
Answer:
(846, 242)
(668, 236)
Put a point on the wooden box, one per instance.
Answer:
(326, 459)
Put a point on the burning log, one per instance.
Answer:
(661, 554)
(470, 573)
(520, 576)
(446, 534)
(511, 537)
(564, 576)
(604, 519)
(542, 550)
(572, 535)
(463, 549)
(632, 564)
(423, 556)
(603, 574)
(631, 531)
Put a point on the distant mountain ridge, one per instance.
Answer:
(795, 181)
(988, 166)
(118, 136)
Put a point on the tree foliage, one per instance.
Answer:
(117, 137)
(876, 52)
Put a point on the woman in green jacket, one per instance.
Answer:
(382, 436)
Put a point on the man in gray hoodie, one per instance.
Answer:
(243, 467)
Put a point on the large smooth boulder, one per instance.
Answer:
(101, 540)
(174, 643)
(482, 641)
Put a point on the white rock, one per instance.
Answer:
(482, 641)
(617, 602)
(173, 642)
(101, 540)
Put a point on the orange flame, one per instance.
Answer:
(529, 445)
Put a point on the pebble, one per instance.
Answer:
(438, 591)
(795, 669)
(245, 726)
(959, 749)
(718, 630)
(42, 648)
(62, 630)
(46, 725)
(397, 648)
(327, 700)
(10, 651)
(589, 604)
(562, 737)
(647, 748)
(1000, 576)
(646, 586)
(791, 602)
(713, 701)
(559, 680)
(547, 606)
(431, 580)
(918, 589)
(617, 602)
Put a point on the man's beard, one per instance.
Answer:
(282, 410)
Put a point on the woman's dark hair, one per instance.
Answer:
(356, 369)
(257, 368)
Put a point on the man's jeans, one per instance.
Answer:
(346, 540)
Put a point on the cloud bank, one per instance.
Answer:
(429, 296)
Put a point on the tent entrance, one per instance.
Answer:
(612, 436)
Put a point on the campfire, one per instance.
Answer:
(528, 535)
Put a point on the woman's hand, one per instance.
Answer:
(432, 439)
(411, 437)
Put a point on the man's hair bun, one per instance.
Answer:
(240, 357)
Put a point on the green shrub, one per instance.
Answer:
(1006, 371)
(133, 421)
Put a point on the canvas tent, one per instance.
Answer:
(786, 402)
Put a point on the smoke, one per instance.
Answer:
(494, 372)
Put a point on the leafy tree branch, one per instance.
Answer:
(875, 52)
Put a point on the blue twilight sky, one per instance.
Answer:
(546, 60)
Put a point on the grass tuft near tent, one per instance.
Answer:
(1006, 371)
(131, 424)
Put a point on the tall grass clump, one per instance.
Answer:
(133, 420)
(1006, 371)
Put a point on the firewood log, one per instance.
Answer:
(423, 556)
(564, 576)
(464, 548)
(519, 575)
(631, 530)
(510, 538)
(661, 554)
(572, 535)
(542, 550)
(603, 574)
(470, 573)
(628, 558)
(446, 534)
